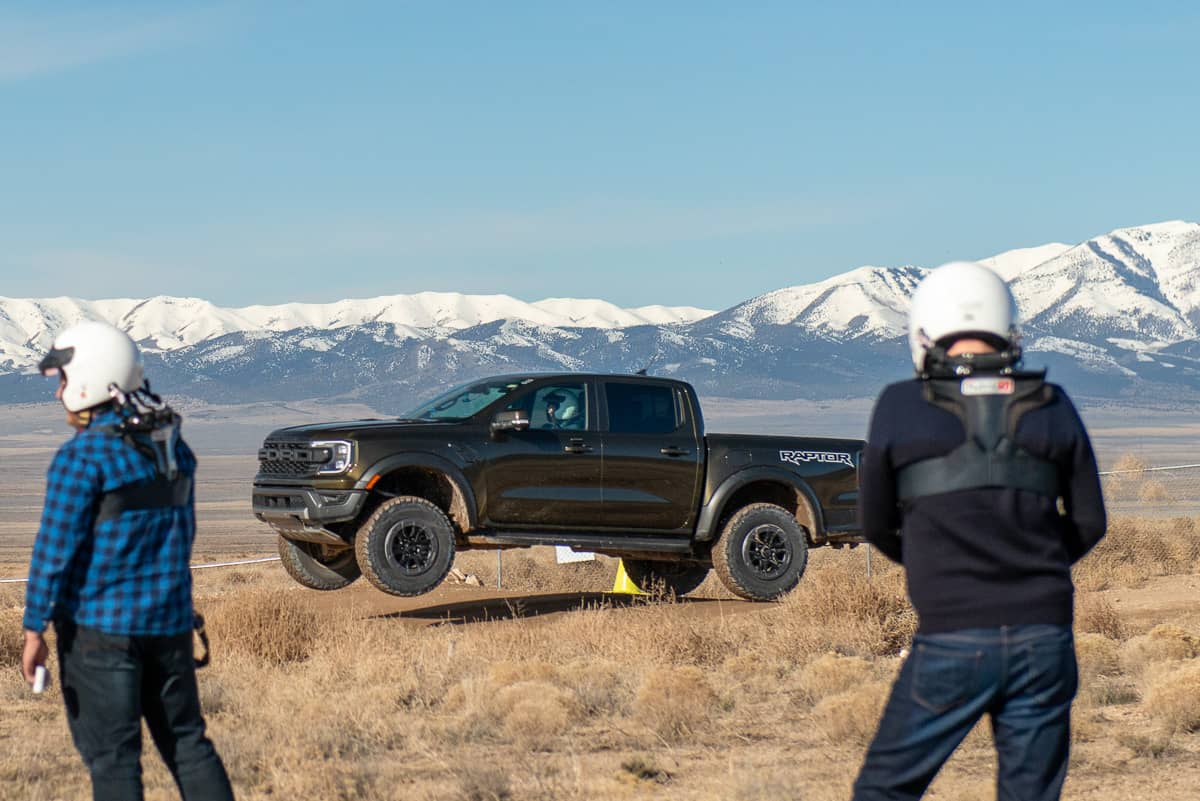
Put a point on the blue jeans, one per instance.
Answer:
(1023, 677)
(109, 684)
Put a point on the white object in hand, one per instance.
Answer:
(39, 679)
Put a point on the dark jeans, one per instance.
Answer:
(110, 683)
(1023, 677)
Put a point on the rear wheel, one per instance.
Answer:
(316, 566)
(761, 553)
(406, 547)
(651, 576)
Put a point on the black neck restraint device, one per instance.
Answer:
(150, 426)
(989, 396)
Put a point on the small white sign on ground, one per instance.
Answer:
(564, 555)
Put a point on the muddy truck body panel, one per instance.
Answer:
(822, 471)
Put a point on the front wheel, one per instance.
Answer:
(318, 567)
(761, 552)
(406, 547)
(678, 578)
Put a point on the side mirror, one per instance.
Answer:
(515, 420)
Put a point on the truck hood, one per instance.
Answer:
(352, 429)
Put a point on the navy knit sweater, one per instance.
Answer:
(980, 558)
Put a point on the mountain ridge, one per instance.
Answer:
(1114, 315)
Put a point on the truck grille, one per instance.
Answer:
(289, 459)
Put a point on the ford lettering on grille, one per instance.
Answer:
(289, 459)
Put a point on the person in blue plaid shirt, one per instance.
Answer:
(110, 571)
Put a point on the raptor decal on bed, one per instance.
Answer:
(825, 457)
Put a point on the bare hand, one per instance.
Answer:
(36, 653)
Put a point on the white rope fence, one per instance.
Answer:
(193, 567)
(1148, 469)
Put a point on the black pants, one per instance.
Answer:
(109, 684)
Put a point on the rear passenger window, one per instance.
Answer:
(641, 408)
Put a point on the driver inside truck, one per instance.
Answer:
(563, 410)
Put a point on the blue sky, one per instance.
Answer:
(642, 152)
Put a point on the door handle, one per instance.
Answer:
(673, 451)
(577, 446)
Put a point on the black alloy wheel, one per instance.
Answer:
(761, 552)
(767, 551)
(410, 547)
(406, 546)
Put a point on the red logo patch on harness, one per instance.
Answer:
(987, 386)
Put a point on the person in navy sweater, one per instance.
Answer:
(979, 478)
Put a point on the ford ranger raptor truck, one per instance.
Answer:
(614, 464)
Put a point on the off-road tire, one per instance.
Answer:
(313, 566)
(761, 552)
(679, 578)
(406, 546)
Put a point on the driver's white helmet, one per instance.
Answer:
(569, 410)
(93, 357)
(960, 299)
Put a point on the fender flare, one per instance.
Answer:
(711, 512)
(428, 461)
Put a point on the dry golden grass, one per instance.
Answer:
(1101, 680)
(484, 783)
(11, 639)
(676, 702)
(1166, 642)
(1152, 491)
(850, 717)
(1131, 481)
(1129, 462)
(1098, 654)
(1087, 726)
(1150, 746)
(1173, 698)
(830, 674)
(264, 624)
(12, 596)
(859, 616)
(1136, 549)
(1095, 613)
(656, 700)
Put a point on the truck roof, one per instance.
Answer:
(570, 374)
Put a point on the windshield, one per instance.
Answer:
(464, 401)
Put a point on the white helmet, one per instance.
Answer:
(569, 410)
(960, 299)
(93, 357)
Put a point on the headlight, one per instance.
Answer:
(339, 455)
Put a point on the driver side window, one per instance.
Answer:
(556, 407)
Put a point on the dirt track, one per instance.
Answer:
(459, 604)
(1174, 599)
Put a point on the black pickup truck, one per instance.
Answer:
(614, 464)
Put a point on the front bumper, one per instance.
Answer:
(303, 513)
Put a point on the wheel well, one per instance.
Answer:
(777, 493)
(424, 482)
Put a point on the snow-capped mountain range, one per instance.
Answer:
(27, 327)
(1115, 315)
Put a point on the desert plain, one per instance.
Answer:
(552, 687)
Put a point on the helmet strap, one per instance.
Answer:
(940, 365)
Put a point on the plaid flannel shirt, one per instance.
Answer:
(126, 575)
